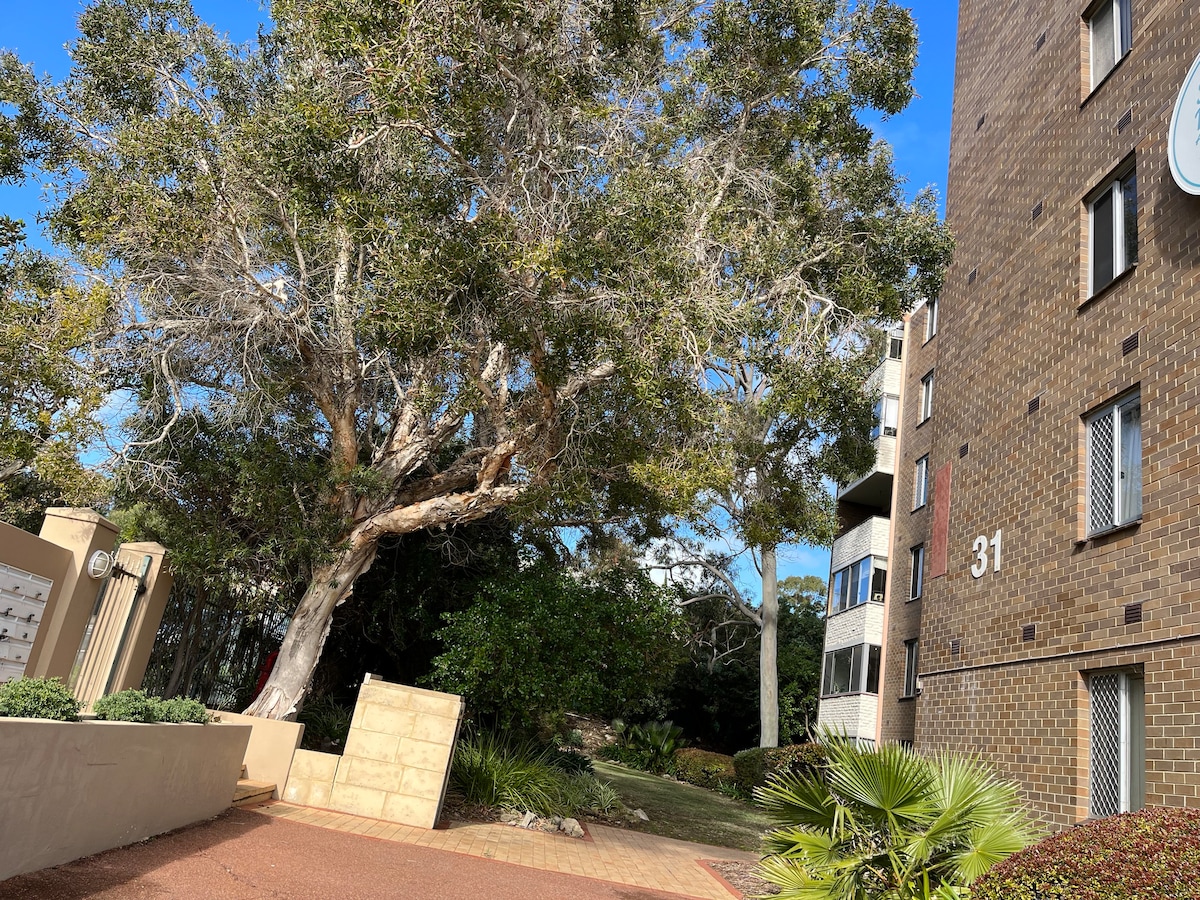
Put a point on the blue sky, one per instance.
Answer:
(920, 135)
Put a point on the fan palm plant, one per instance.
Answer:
(888, 824)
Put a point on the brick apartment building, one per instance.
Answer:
(1047, 483)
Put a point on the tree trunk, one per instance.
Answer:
(768, 669)
(305, 638)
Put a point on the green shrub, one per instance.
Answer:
(750, 767)
(38, 698)
(754, 766)
(650, 747)
(181, 709)
(130, 705)
(1152, 854)
(704, 768)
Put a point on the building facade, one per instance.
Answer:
(1044, 605)
(854, 626)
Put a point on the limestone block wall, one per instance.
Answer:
(397, 758)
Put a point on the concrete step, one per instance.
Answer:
(248, 793)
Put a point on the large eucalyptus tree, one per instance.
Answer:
(495, 244)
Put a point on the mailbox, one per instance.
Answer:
(23, 597)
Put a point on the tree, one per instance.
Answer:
(715, 693)
(888, 824)
(540, 642)
(485, 241)
(48, 397)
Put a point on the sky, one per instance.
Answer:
(920, 136)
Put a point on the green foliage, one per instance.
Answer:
(502, 772)
(888, 824)
(38, 698)
(130, 705)
(1151, 854)
(326, 724)
(754, 767)
(704, 768)
(181, 709)
(542, 641)
(716, 699)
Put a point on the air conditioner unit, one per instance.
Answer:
(877, 596)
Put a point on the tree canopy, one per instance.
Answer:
(493, 249)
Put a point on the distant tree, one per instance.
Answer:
(49, 396)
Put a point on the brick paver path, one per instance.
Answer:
(611, 854)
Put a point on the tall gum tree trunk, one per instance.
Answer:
(305, 638)
(768, 668)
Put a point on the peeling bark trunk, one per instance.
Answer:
(332, 584)
(305, 638)
(768, 669)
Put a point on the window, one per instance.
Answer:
(1110, 34)
(931, 314)
(1112, 223)
(921, 483)
(1115, 465)
(857, 583)
(910, 667)
(846, 674)
(1118, 742)
(917, 583)
(926, 398)
(895, 348)
(887, 416)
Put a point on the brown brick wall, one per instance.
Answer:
(1024, 328)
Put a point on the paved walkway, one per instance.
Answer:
(609, 854)
(286, 851)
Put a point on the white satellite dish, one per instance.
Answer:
(100, 565)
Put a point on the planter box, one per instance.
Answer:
(71, 789)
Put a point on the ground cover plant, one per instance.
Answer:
(1151, 854)
(38, 698)
(686, 812)
(888, 823)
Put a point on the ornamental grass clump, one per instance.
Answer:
(888, 824)
(524, 775)
(38, 698)
(1151, 854)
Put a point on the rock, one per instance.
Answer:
(547, 826)
(510, 816)
(571, 828)
(529, 820)
(641, 815)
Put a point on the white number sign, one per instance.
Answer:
(980, 549)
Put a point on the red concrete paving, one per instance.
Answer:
(242, 855)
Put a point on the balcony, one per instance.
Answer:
(874, 488)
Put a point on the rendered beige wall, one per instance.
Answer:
(271, 749)
(81, 532)
(397, 758)
(71, 789)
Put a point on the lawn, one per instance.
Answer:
(684, 811)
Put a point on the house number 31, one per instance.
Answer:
(980, 549)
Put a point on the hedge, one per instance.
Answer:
(704, 768)
(754, 766)
(38, 698)
(1152, 854)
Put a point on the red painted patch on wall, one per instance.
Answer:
(939, 542)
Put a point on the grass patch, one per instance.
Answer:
(686, 812)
